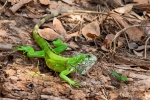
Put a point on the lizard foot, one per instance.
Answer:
(25, 49)
(75, 84)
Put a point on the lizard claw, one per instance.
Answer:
(25, 48)
(75, 84)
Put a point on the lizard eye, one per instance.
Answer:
(88, 56)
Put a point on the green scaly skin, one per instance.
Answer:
(55, 62)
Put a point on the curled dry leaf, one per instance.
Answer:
(110, 37)
(49, 34)
(45, 2)
(104, 48)
(108, 40)
(73, 45)
(58, 27)
(139, 54)
(134, 33)
(136, 15)
(127, 8)
(91, 30)
(120, 43)
(72, 35)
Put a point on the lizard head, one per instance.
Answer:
(87, 62)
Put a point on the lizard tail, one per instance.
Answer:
(39, 40)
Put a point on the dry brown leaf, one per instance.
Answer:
(140, 54)
(73, 45)
(48, 25)
(110, 37)
(127, 8)
(45, 2)
(132, 18)
(49, 34)
(91, 30)
(13, 1)
(58, 27)
(8, 12)
(72, 35)
(119, 44)
(104, 48)
(148, 14)
(134, 33)
(136, 15)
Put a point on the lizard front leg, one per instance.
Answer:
(59, 66)
(64, 74)
(30, 52)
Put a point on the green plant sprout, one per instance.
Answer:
(36, 70)
(119, 77)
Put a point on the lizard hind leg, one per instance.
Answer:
(59, 46)
(64, 77)
(30, 52)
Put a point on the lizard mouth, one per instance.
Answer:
(87, 63)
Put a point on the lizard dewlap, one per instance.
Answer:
(86, 64)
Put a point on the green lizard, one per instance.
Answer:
(79, 63)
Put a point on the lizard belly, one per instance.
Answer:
(57, 66)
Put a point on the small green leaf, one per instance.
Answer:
(115, 74)
(124, 78)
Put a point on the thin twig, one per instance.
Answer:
(119, 33)
(4, 5)
(85, 11)
(123, 32)
(95, 12)
(70, 31)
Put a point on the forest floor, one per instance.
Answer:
(27, 78)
